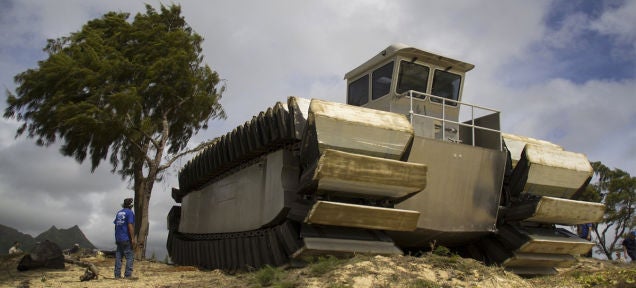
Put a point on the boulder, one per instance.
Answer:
(45, 254)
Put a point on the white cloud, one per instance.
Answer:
(619, 22)
(569, 32)
(269, 50)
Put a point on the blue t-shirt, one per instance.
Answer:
(122, 218)
(630, 246)
(584, 230)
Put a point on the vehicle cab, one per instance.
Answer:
(427, 88)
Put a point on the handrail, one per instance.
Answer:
(472, 125)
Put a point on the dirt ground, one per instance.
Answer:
(360, 271)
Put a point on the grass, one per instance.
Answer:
(268, 275)
(324, 265)
(318, 267)
(423, 283)
(606, 278)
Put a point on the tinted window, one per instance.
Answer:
(382, 81)
(446, 84)
(412, 77)
(358, 93)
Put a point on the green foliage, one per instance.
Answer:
(268, 276)
(617, 190)
(324, 265)
(441, 251)
(115, 87)
(609, 278)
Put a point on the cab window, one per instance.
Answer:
(412, 76)
(381, 84)
(446, 84)
(358, 93)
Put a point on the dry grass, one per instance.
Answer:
(428, 271)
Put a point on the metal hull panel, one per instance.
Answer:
(463, 186)
(245, 200)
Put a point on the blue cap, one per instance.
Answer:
(633, 233)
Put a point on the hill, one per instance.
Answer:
(9, 235)
(65, 238)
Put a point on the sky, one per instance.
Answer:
(562, 71)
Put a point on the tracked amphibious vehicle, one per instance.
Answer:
(405, 163)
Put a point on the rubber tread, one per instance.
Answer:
(174, 217)
(268, 131)
(235, 251)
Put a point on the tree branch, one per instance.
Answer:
(198, 148)
(154, 142)
(141, 149)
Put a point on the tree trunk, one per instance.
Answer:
(142, 203)
(143, 188)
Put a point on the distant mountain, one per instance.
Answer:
(9, 235)
(65, 238)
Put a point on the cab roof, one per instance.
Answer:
(409, 52)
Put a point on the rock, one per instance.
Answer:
(45, 254)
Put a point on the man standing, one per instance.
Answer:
(629, 245)
(585, 232)
(125, 238)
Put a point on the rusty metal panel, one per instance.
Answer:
(516, 143)
(539, 260)
(554, 172)
(360, 216)
(556, 245)
(567, 212)
(368, 176)
(322, 246)
(359, 130)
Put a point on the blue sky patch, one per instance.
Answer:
(571, 49)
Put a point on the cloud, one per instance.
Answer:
(545, 65)
(618, 22)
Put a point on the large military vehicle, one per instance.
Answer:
(404, 164)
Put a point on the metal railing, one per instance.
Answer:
(473, 127)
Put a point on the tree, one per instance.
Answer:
(617, 190)
(134, 92)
